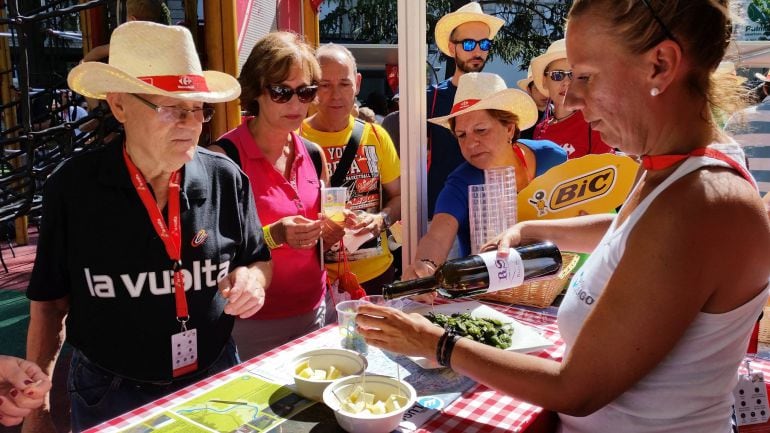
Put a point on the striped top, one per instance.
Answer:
(751, 128)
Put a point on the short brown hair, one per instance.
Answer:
(702, 27)
(270, 62)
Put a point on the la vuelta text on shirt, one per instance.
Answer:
(205, 274)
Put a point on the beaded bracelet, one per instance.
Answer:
(269, 238)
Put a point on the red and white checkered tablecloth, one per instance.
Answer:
(481, 409)
(478, 410)
(162, 404)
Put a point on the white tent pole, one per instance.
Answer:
(412, 51)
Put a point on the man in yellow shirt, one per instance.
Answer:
(373, 183)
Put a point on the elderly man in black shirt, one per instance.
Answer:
(148, 248)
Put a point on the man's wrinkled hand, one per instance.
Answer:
(244, 294)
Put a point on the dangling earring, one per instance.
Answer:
(654, 91)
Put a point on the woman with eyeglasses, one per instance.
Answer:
(657, 321)
(279, 82)
(563, 125)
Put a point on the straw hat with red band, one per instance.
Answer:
(466, 14)
(523, 84)
(153, 59)
(486, 91)
(557, 50)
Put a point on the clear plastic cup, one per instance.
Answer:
(500, 175)
(380, 300)
(505, 177)
(346, 320)
(485, 214)
(333, 201)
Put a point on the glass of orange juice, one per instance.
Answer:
(333, 201)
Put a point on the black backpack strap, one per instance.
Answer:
(230, 150)
(315, 155)
(338, 178)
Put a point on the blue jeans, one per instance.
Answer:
(97, 395)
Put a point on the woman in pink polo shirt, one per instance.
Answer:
(278, 82)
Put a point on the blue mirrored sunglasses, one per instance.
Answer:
(470, 44)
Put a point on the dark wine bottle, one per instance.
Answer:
(483, 273)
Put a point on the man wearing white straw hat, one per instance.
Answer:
(149, 248)
(465, 35)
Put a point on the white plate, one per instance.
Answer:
(525, 339)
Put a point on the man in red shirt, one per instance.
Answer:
(567, 128)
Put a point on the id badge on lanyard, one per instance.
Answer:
(184, 344)
(751, 405)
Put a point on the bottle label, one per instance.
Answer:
(504, 272)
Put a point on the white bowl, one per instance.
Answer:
(381, 387)
(347, 361)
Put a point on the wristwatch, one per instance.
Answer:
(385, 221)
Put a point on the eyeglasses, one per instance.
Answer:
(470, 44)
(282, 94)
(559, 75)
(178, 114)
(657, 19)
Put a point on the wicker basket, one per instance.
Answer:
(539, 293)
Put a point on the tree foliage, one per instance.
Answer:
(759, 12)
(531, 25)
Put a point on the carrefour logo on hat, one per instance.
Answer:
(185, 81)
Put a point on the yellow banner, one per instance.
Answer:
(583, 186)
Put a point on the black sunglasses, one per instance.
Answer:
(559, 75)
(282, 94)
(470, 44)
(657, 19)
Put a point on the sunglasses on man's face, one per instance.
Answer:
(282, 94)
(470, 44)
(559, 75)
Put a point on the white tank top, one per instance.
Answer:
(691, 389)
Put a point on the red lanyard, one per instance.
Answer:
(171, 236)
(522, 159)
(661, 162)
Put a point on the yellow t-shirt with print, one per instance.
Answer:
(376, 163)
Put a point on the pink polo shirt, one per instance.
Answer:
(298, 283)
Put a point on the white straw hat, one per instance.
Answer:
(557, 50)
(153, 59)
(466, 14)
(487, 91)
(523, 84)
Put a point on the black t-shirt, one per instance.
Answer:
(98, 246)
